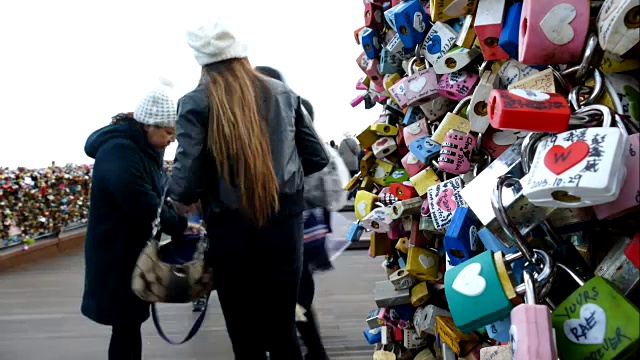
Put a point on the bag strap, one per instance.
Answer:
(156, 222)
(194, 329)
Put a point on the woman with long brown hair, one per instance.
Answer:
(245, 145)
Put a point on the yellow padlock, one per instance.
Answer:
(423, 264)
(423, 180)
(367, 162)
(613, 64)
(381, 170)
(403, 245)
(449, 333)
(367, 138)
(467, 35)
(367, 184)
(364, 203)
(380, 244)
(542, 81)
(451, 122)
(420, 294)
(384, 129)
(353, 183)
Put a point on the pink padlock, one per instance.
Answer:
(421, 86)
(531, 333)
(412, 165)
(457, 85)
(455, 153)
(424, 209)
(355, 102)
(629, 198)
(553, 31)
(415, 131)
(373, 73)
(360, 85)
(488, 26)
(362, 62)
(396, 230)
(379, 220)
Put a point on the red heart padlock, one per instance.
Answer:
(560, 159)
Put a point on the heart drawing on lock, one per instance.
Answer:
(426, 261)
(362, 208)
(556, 24)
(445, 200)
(469, 282)
(435, 45)
(417, 84)
(559, 159)
(590, 328)
(382, 141)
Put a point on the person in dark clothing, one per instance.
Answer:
(245, 143)
(333, 144)
(126, 188)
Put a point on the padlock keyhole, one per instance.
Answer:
(565, 197)
(457, 253)
(451, 63)
(632, 18)
(403, 30)
(525, 24)
(480, 108)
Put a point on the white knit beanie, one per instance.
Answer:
(213, 42)
(158, 108)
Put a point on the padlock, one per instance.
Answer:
(406, 207)
(424, 209)
(467, 34)
(389, 64)
(421, 85)
(383, 354)
(355, 232)
(499, 330)
(357, 34)
(424, 319)
(412, 165)
(442, 10)
(389, 81)
(413, 114)
(386, 295)
(618, 269)
(381, 171)
(425, 354)
(403, 245)
(496, 141)
(577, 168)
(461, 343)
(371, 43)
(424, 149)
(420, 294)
(629, 198)
(455, 59)
(417, 237)
(402, 280)
(378, 220)
(531, 333)
(632, 251)
(461, 240)
(457, 85)
(424, 180)
(407, 221)
(362, 60)
(395, 46)
(412, 339)
(367, 162)
(434, 109)
(397, 176)
(423, 264)
(627, 89)
(617, 23)
(384, 146)
(373, 319)
(444, 199)
(426, 224)
(373, 336)
(438, 41)
(415, 131)
(488, 26)
(455, 154)
(450, 122)
(500, 352)
(390, 317)
(411, 22)
(379, 245)
(553, 31)
(367, 184)
(478, 112)
(403, 191)
(529, 110)
(510, 35)
(596, 322)
(512, 72)
(373, 16)
(373, 73)
(541, 81)
(367, 138)
(364, 202)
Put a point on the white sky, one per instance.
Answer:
(67, 66)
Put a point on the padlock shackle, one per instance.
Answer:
(528, 149)
(597, 92)
(461, 105)
(544, 277)
(585, 114)
(530, 296)
(575, 276)
(588, 58)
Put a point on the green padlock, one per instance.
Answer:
(397, 176)
(596, 322)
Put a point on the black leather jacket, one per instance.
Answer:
(296, 152)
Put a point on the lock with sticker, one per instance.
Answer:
(424, 149)
(457, 85)
(379, 244)
(424, 180)
(529, 110)
(442, 10)
(596, 321)
(455, 59)
(444, 199)
(384, 147)
(488, 26)
(617, 26)
(459, 341)
(553, 31)
(510, 34)
(531, 334)
(478, 110)
(423, 264)
(451, 121)
(420, 294)
(578, 168)
(456, 152)
(411, 22)
(415, 131)
(403, 208)
(373, 16)
(438, 41)
(512, 72)
(461, 240)
(499, 330)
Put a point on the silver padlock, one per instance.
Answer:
(618, 269)
(387, 296)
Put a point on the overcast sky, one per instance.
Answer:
(67, 66)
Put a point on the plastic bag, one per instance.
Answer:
(336, 242)
(335, 178)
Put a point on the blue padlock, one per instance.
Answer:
(402, 264)
(461, 240)
(499, 330)
(424, 149)
(411, 23)
(389, 62)
(373, 336)
(371, 43)
(413, 114)
(389, 16)
(509, 37)
(355, 231)
(456, 24)
(405, 312)
(492, 243)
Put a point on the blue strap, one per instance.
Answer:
(194, 329)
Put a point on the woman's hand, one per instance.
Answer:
(193, 228)
(183, 209)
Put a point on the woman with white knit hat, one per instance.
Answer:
(126, 187)
(245, 145)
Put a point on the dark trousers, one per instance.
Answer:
(309, 330)
(126, 342)
(257, 273)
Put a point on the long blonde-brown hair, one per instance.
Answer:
(238, 135)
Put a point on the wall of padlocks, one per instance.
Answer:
(501, 182)
(38, 203)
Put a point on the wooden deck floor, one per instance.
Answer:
(40, 318)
